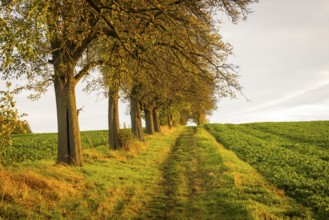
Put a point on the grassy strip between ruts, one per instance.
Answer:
(182, 175)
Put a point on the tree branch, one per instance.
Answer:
(84, 44)
(112, 32)
(86, 69)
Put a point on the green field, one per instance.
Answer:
(263, 171)
(293, 156)
(44, 146)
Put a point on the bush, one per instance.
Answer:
(9, 119)
(126, 138)
(23, 127)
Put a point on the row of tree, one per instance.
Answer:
(166, 57)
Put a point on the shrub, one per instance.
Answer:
(9, 118)
(126, 138)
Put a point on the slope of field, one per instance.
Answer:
(184, 174)
(293, 156)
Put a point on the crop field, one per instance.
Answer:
(44, 146)
(294, 156)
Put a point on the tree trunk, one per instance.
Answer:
(174, 123)
(69, 144)
(136, 119)
(198, 121)
(156, 120)
(113, 118)
(183, 119)
(149, 121)
(170, 121)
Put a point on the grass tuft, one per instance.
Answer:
(165, 130)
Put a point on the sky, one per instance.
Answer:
(282, 50)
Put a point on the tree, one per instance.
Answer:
(113, 74)
(39, 33)
(110, 82)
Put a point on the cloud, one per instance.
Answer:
(313, 95)
(311, 103)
